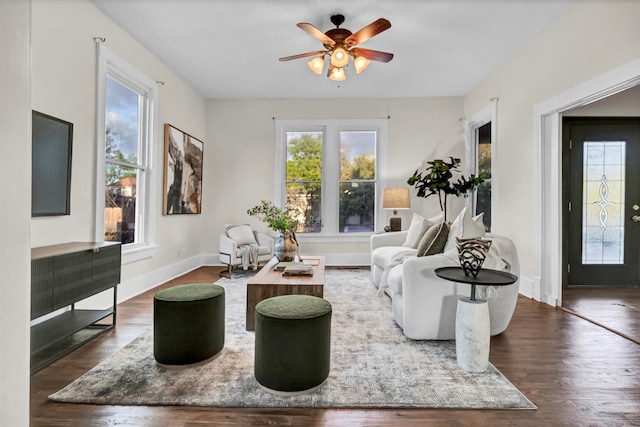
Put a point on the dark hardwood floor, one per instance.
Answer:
(576, 372)
(615, 308)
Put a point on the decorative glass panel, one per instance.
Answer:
(303, 184)
(603, 202)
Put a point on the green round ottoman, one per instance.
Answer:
(293, 343)
(188, 323)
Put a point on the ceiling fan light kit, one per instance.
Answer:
(340, 44)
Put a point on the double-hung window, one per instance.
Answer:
(328, 174)
(125, 122)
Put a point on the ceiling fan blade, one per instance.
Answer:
(364, 34)
(303, 55)
(314, 32)
(374, 55)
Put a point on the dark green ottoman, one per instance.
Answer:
(293, 343)
(188, 323)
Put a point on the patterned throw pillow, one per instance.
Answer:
(433, 240)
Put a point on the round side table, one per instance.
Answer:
(472, 316)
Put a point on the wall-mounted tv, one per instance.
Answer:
(51, 143)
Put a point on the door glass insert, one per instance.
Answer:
(603, 202)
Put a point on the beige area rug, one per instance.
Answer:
(373, 365)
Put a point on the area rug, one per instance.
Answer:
(373, 365)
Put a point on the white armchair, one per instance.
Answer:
(231, 246)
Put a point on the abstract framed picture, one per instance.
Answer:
(183, 155)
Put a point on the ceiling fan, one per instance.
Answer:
(340, 44)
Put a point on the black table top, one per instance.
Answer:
(485, 276)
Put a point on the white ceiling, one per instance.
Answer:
(230, 48)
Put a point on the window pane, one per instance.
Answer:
(357, 204)
(304, 156)
(122, 123)
(483, 194)
(120, 203)
(304, 168)
(603, 203)
(304, 204)
(357, 155)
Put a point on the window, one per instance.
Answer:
(125, 122)
(481, 133)
(328, 174)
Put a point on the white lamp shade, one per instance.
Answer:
(337, 74)
(339, 57)
(316, 64)
(360, 63)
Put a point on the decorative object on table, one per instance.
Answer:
(298, 270)
(472, 253)
(437, 178)
(183, 155)
(395, 198)
(286, 247)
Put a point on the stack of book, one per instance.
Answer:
(296, 269)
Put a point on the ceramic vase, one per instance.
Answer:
(286, 247)
(472, 253)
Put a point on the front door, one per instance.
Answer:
(603, 247)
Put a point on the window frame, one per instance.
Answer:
(112, 66)
(331, 129)
(486, 115)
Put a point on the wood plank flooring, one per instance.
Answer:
(577, 374)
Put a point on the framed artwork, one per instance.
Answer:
(183, 155)
(51, 144)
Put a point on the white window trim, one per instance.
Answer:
(481, 118)
(111, 64)
(330, 128)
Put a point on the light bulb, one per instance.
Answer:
(337, 74)
(360, 63)
(316, 64)
(339, 57)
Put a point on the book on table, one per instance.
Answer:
(298, 270)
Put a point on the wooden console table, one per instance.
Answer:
(62, 275)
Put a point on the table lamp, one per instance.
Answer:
(395, 198)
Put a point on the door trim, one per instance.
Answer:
(547, 280)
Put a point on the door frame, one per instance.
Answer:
(547, 280)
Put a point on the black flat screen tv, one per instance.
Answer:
(51, 143)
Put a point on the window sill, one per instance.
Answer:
(335, 238)
(133, 253)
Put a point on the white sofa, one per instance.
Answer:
(424, 305)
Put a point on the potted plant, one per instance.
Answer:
(286, 247)
(437, 178)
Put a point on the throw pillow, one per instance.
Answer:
(416, 230)
(241, 234)
(433, 240)
(464, 226)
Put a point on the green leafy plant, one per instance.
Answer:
(438, 178)
(277, 219)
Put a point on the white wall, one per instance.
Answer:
(243, 132)
(64, 86)
(15, 125)
(591, 39)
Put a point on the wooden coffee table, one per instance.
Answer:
(269, 283)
